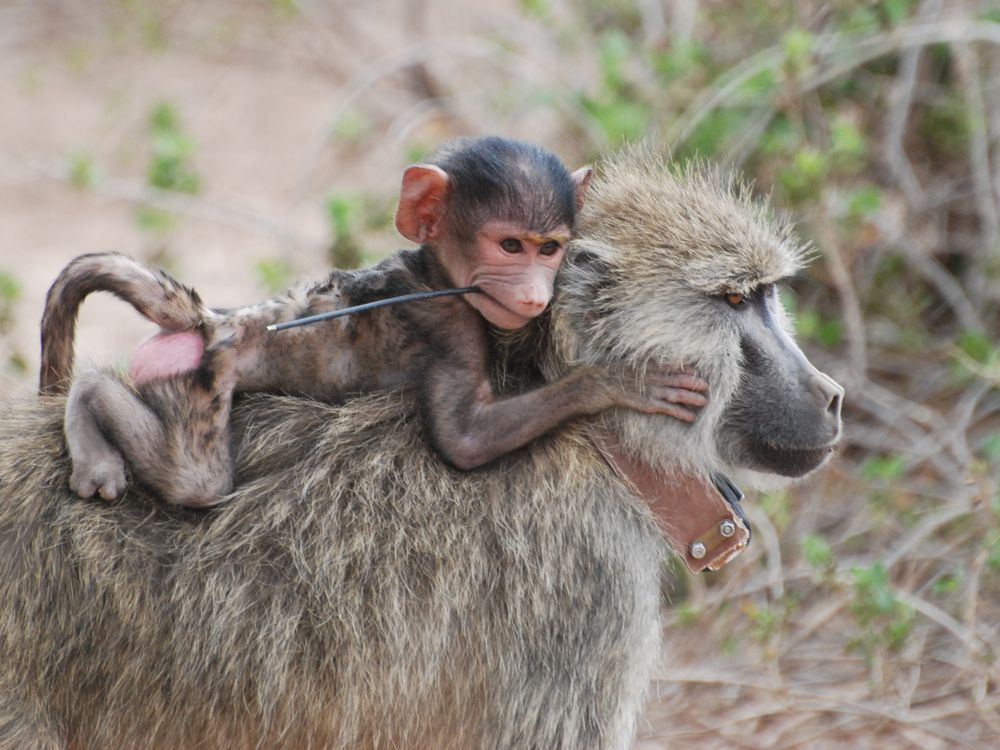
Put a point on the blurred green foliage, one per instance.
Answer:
(10, 292)
(816, 551)
(884, 619)
(273, 275)
(873, 156)
(81, 170)
(170, 167)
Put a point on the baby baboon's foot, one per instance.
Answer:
(104, 477)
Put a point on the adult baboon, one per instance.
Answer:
(356, 592)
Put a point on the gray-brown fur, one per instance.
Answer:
(172, 430)
(356, 592)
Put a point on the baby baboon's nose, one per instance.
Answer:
(532, 305)
(533, 299)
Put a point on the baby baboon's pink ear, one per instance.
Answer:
(421, 202)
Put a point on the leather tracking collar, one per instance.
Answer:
(703, 523)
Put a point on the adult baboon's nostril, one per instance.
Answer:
(834, 406)
(832, 393)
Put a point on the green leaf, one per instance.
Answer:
(536, 8)
(81, 170)
(990, 447)
(896, 11)
(778, 507)
(620, 119)
(979, 347)
(17, 364)
(613, 53)
(780, 137)
(163, 118)
(993, 554)
(351, 126)
(687, 614)
(803, 178)
(846, 140)
(874, 595)
(797, 44)
(273, 274)
(864, 201)
(759, 86)
(817, 551)
(682, 57)
(10, 289)
(946, 584)
(884, 468)
(286, 8)
(155, 220)
(342, 210)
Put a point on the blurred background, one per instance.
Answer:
(242, 145)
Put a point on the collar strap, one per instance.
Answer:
(703, 523)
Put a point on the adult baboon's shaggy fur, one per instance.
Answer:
(355, 592)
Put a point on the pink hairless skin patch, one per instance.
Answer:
(165, 354)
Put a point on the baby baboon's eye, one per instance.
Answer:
(511, 245)
(735, 299)
(549, 248)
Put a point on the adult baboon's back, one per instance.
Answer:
(356, 592)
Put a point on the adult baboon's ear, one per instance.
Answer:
(581, 178)
(421, 202)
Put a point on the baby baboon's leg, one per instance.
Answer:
(98, 466)
(180, 449)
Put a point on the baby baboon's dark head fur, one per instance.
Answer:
(494, 178)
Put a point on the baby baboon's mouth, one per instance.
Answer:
(496, 312)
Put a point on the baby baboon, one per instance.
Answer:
(490, 213)
(356, 591)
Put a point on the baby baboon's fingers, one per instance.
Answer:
(677, 412)
(683, 380)
(681, 396)
(656, 405)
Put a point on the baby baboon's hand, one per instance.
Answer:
(659, 390)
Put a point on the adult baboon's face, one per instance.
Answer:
(680, 268)
(784, 416)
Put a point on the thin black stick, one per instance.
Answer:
(372, 305)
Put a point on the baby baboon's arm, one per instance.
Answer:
(471, 426)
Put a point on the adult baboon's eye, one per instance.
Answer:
(735, 299)
(511, 245)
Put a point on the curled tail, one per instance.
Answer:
(156, 295)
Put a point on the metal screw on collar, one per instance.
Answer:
(698, 550)
(727, 528)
